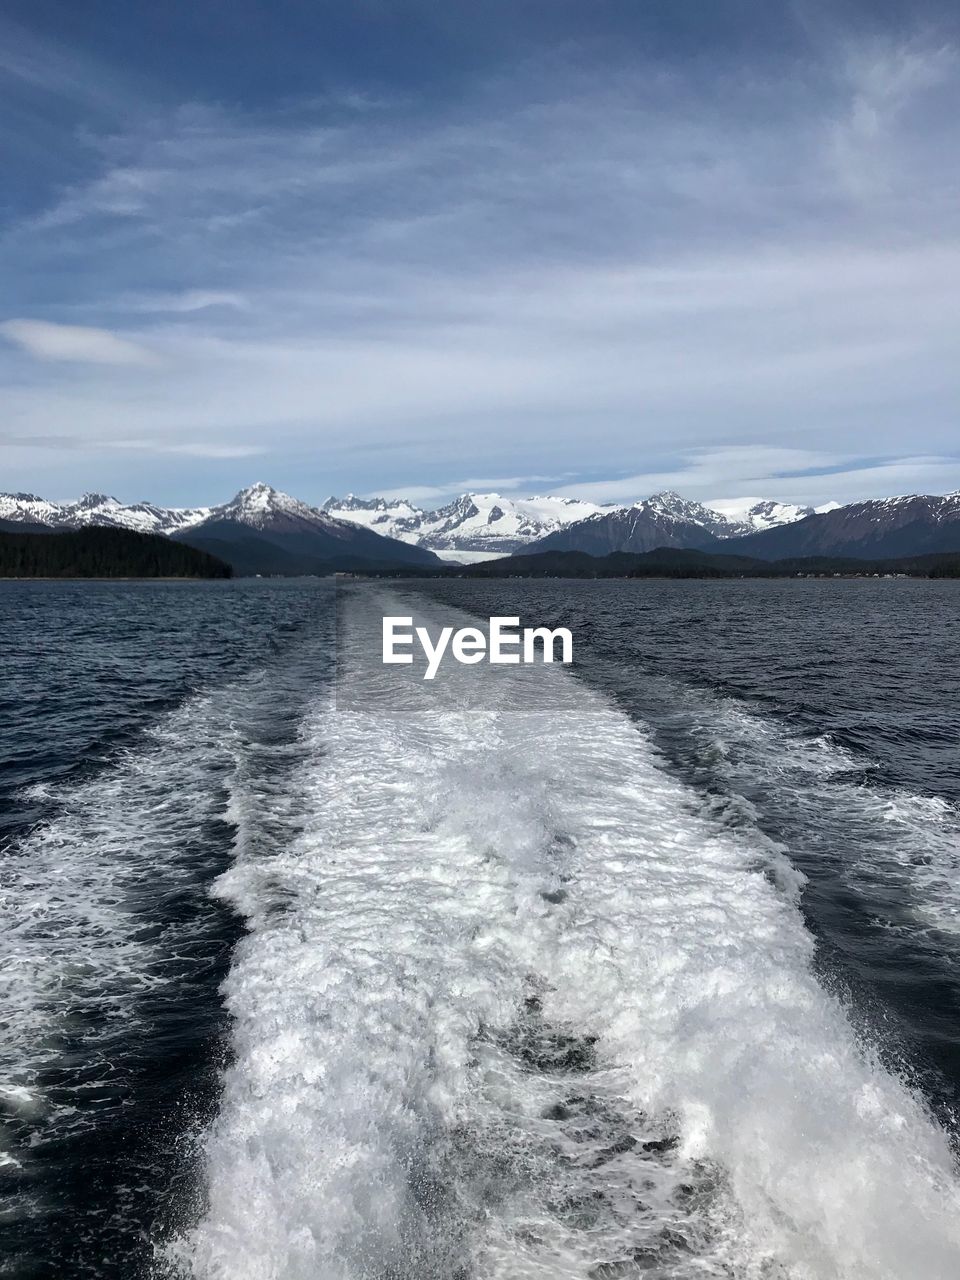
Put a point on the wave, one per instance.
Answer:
(78, 946)
(110, 947)
(899, 850)
(513, 1004)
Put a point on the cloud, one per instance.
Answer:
(507, 484)
(186, 302)
(40, 441)
(451, 488)
(75, 343)
(199, 450)
(568, 271)
(884, 80)
(414, 493)
(47, 68)
(786, 474)
(191, 449)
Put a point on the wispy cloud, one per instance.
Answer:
(46, 67)
(186, 302)
(155, 448)
(472, 484)
(76, 343)
(568, 275)
(191, 449)
(786, 474)
(884, 81)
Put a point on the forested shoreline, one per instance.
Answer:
(104, 553)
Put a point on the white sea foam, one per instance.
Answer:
(70, 937)
(891, 844)
(89, 926)
(512, 1005)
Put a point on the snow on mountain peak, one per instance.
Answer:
(259, 497)
(260, 501)
(494, 523)
(471, 526)
(28, 508)
(755, 514)
(261, 506)
(352, 507)
(96, 509)
(350, 502)
(670, 504)
(91, 500)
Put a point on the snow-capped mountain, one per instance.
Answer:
(27, 508)
(474, 526)
(479, 526)
(370, 511)
(671, 506)
(667, 520)
(97, 509)
(392, 517)
(753, 514)
(262, 507)
(266, 531)
(664, 520)
(260, 530)
(913, 524)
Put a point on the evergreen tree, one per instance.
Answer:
(103, 553)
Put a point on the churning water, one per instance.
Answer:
(647, 968)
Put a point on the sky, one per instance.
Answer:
(586, 247)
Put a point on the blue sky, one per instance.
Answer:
(598, 248)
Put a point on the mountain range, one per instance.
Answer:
(917, 524)
(96, 509)
(664, 520)
(474, 526)
(911, 525)
(261, 530)
(480, 526)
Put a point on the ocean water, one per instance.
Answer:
(648, 967)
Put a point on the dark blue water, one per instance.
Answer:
(823, 715)
(128, 713)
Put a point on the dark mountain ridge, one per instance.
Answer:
(260, 530)
(673, 562)
(294, 554)
(643, 527)
(267, 532)
(98, 552)
(916, 524)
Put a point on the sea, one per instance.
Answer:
(645, 966)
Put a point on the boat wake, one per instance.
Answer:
(110, 953)
(512, 1003)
